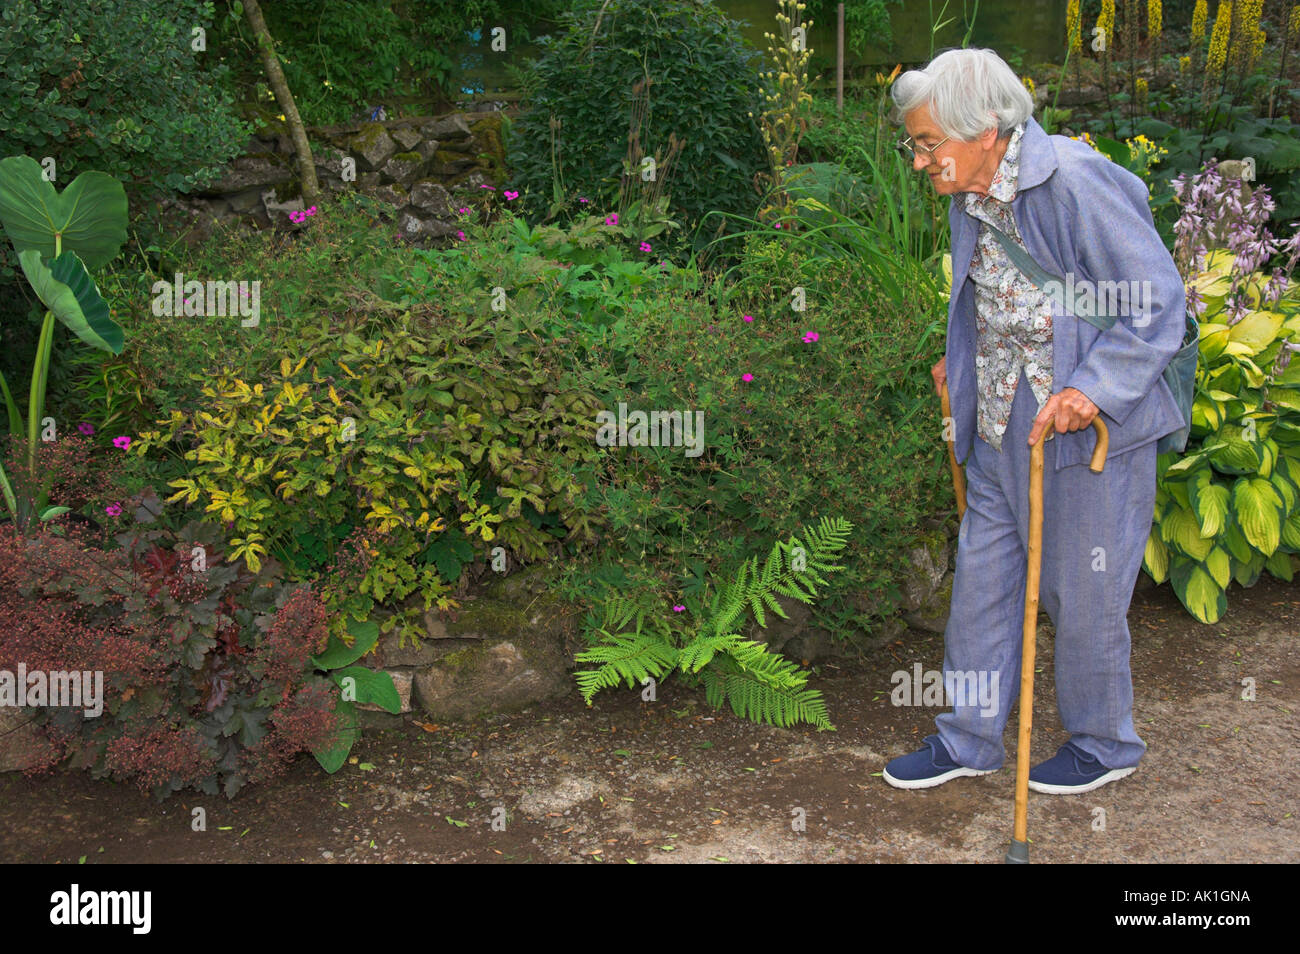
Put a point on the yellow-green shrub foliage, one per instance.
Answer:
(421, 435)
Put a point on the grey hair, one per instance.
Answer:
(968, 91)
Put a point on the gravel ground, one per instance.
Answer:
(674, 780)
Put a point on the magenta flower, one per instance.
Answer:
(747, 377)
(86, 429)
(463, 211)
(611, 219)
(493, 188)
(678, 609)
(123, 442)
(510, 195)
(312, 210)
(460, 235)
(778, 225)
(645, 246)
(810, 337)
(583, 199)
(748, 317)
(113, 510)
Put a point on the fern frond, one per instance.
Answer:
(695, 655)
(629, 657)
(752, 698)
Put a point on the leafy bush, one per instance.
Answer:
(430, 434)
(116, 87)
(703, 88)
(1229, 507)
(207, 667)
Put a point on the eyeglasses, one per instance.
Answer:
(905, 145)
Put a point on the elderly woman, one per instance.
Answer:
(1018, 362)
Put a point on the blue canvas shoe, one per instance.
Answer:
(927, 767)
(1072, 771)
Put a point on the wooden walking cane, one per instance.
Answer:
(1018, 853)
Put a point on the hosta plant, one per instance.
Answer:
(1229, 506)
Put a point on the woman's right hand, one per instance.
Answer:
(940, 374)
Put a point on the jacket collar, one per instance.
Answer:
(1037, 156)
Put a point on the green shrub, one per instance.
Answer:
(703, 88)
(1229, 506)
(116, 87)
(432, 434)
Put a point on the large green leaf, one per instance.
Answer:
(338, 654)
(1281, 566)
(1156, 557)
(1181, 529)
(1209, 501)
(331, 757)
(68, 291)
(89, 215)
(1259, 512)
(371, 686)
(1203, 597)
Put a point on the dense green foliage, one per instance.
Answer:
(586, 101)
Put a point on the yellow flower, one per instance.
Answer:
(1184, 63)
(1198, 23)
(1106, 20)
(1293, 26)
(1029, 84)
(1073, 25)
(1141, 89)
(1218, 54)
(1246, 36)
(1154, 12)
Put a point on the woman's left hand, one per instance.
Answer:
(1071, 409)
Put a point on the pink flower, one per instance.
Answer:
(113, 510)
(778, 225)
(747, 377)
(297, 216)
(460, 235)
(123, 442)
(749, 317)
(645, 246)
(86, 429)
(810, 337)
(312, 210)
(678, 608)
(510, 195)
(493, 188)
(583, 199)
(611, 219)
(463, 211)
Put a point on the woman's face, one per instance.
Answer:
(957, 166)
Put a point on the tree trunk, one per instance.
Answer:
(275, 76)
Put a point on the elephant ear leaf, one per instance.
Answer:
(68, 291)
(88, 217)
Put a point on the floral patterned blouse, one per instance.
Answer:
(1013, 317)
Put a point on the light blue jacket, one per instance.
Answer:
(1080, 215)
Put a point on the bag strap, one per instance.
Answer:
(1040, 276)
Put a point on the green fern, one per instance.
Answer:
(759, 685)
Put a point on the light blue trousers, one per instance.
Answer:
(1095, 528)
